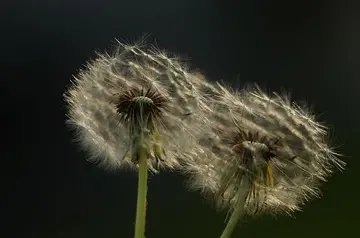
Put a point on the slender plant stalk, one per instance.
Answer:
(142, 191)
(238, 210)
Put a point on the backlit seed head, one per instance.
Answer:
(274, 144)
(134, 91)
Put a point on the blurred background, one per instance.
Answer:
(309, 48)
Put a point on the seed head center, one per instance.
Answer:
(255, 146)
(142, 100)
(252, 149)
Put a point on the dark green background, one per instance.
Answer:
(310, 48)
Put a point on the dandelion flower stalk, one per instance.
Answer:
(140, 109)
(141, 196)
(238, 210)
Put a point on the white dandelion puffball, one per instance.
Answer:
(134, 90)
(274, 144)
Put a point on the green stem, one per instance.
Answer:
(238, 210)
(141, 199)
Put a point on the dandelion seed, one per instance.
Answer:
(260, 154)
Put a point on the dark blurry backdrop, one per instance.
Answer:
(310, 48)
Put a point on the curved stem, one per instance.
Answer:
(142, 191)
(238, 210)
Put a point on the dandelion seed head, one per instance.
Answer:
(275, 144)
(128, 90)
